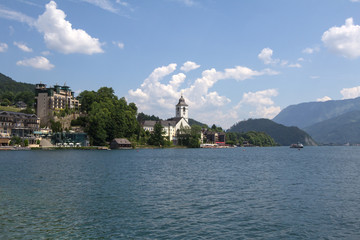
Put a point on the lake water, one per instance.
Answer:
(252, 193)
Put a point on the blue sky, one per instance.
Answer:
(232, 60)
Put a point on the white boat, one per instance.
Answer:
(296, 145)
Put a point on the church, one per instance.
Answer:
(172, 125)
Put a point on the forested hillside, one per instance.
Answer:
(339, 130)
(193, 122)
(12, 92)
(9, 85)
(281, 134)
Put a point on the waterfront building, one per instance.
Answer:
(48, 100)
(70, 139)
(120, 143)
(213, 137)
(17, 124)
(172, 126)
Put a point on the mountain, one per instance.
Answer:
(281, 134)
(194, 122)
(338, 130)
(306, 114)
(9, 85)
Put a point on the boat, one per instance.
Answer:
(296, 145)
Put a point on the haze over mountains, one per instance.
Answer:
(336, 121)
(306, 114)
(338, 130)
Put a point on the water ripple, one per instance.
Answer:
(259, 193)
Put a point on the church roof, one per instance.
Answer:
(169, 122)
(182, 102)
(176, 119)
(121, 141)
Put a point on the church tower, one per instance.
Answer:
(182, 109)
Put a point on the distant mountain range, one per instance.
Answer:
(338, 130)
(281, 134)
(306, 114)
(7, 84)
(336, 122)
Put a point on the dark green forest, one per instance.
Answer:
(282, 135)
(11, 92)
(251, 138)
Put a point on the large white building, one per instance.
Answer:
(172, 126)
(48, 100)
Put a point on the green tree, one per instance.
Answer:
(26, 96)
(55, 126)
(194, 141)
(141, 117)
(86, 99)
(9, 96)
(156, 137)
(15, 141)
(5, 102)
(107, 116)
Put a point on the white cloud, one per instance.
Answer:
(159, 92)
(17, 16)
(260, 97)
(177, 80)
(46, 53)
(324, 99)
(350, 92)
(311, 50)
(3, 47)
(295, 65)
(188, 3)
(344, 40)
(36, 62)
(314, 77)
(107, 5)
(23, 47)
(188, 66)
(125, 4)
(266, 56)
(119, 44)
(103, 4)
(354, 0)
(60, 36)
(263, 103)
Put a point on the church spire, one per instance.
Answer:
(182, 109)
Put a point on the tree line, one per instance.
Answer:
(250, 138)
(107, 116)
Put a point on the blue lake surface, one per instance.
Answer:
(240, 193)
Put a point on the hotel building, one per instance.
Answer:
(48, 100)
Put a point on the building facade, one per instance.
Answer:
(172, 126)
(209, 136)
(48, 100)
(18, 124)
